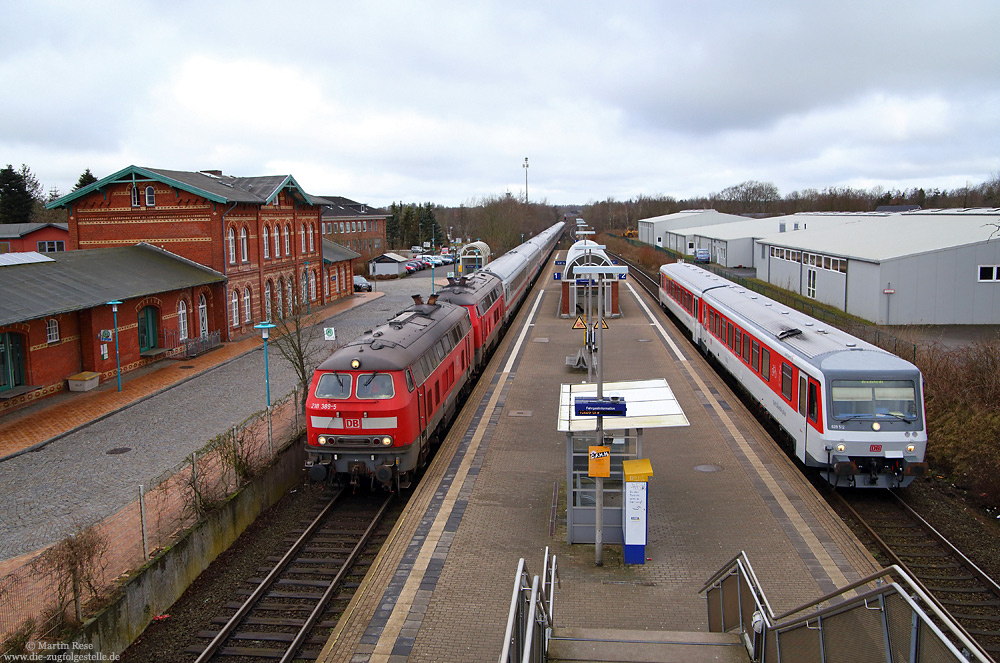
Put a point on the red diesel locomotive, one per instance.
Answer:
(376, 405)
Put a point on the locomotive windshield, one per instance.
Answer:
(868, 399)
(334, 385)
(375, 385)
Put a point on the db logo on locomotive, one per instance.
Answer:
(875, 448)
(352, 423)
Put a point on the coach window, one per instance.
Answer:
(729, 335)
(746, 347)
(765, 364)
(375, 385)
(739, 342)
(334, 385)
(755, 356)
(813, 408)
(786, 381)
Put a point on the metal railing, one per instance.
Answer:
(529, 622)
(199, 344)
(882, 617)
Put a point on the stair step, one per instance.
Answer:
(624, 646)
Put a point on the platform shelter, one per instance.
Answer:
(580, 294)
(648, 404)
(474, 256)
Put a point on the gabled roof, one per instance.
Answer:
(338, 207)
(78, 280)
(333, 252)
(12, 230)
(211, 185)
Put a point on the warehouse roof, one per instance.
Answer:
(769, 225)
(879, 238)
(78, 280)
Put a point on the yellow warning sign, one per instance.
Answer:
(604, 324)
(579, 324)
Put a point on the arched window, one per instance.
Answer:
(303, 233)
(288, 291)
(202, 315)
(267, 300)
(326, 287)
(232, 246)
(52, 331)
(304, 283)
(267, 243)
(312, 285)
(235, 299)
(288, 243)
(182, 319)
(135, 196)
(279, 299)
(246, 305)
(150, 197)
(277, 243)
(244, 253)
(312, 244)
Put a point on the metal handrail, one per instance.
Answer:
(912, 593)
(529, 620)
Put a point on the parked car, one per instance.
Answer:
(410, 267)
(416, 264)
(702, 255)
(361, 284)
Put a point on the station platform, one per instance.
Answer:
(441, 586)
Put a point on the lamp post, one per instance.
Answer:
(265, 330)
(525, 166)
(118, 363)
(432, 259)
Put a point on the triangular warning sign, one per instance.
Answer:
(604, 324)
(579, 324)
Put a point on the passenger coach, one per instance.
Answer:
(851, 409)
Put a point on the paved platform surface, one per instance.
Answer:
(439, 589)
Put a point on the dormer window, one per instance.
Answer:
(150, 197)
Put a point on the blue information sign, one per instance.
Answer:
(560, 262)
(556, 276)
(585, 282)
(593, 407)
(621, 277)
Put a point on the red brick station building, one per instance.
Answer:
(196, 258)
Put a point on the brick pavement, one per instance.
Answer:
(440, 588)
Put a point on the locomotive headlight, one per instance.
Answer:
(910, 448)
(841, 447)
(355, 364)
(876, 426)
(321, 439)
(386, 441)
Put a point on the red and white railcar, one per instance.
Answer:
(851, 409)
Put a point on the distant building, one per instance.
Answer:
(262, 233)
(56, 326)
(355, 225)
(926, 267)
(40, 237)
(653, 230)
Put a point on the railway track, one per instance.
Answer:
(904, 538)
(288, 612)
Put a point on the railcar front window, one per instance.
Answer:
(868, 399)
(334, 385)
(375, 385)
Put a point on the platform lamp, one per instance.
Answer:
(118, 363)
(265, 331)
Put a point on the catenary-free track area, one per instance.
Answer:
(440, 589)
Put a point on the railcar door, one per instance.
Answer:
(422, 409)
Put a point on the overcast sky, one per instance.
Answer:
(442, 101)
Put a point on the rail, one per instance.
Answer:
(885, 616)
(529, 621)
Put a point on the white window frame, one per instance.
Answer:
(150, 197)
(232, 246)
(267, 242)
(202, 315)
(288, 245)
(135, 196)
(52, 331)
(312, 286)
(277, 242)
(996, 274)
(235, 301)
(244, 249)
(246, 304)
(312, 242)
(303, 242)
(182, 320)
(267, 301)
